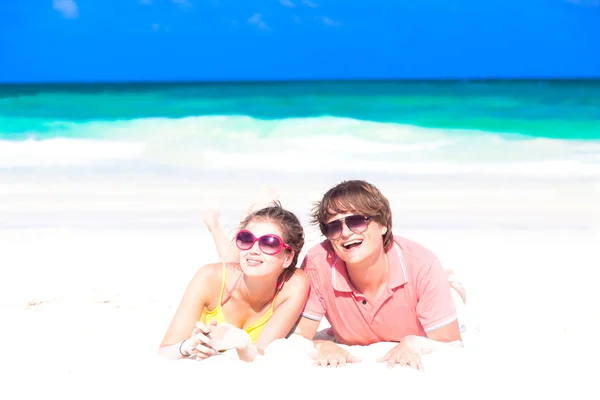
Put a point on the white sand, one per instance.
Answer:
(93, 264)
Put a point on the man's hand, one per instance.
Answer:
(403, 354)
(329, 353)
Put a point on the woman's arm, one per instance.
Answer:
(227, 337)
(287, 312)
(290, 300)
(282, 322)
(225, 246)
(195, 298)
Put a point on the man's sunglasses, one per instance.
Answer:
(356, 223)
(268, 244)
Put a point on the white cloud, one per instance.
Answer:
(328, 21)
(68, 8)
(256, 19)
(310, 4)
(287, 3)
(183, 3)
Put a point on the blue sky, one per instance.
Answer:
(124, 40)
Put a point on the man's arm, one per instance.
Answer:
(314, 308)
(447, 333)
(436, 309)
(437, 314)
(307, 328)
(327, 352)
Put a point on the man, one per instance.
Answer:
(373, 286)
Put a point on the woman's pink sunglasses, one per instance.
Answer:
(268, 244)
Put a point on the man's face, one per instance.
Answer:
(360, 238)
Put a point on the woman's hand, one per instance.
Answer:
(227, 337)
(200, 345)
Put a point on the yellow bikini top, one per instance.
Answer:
(217, 313)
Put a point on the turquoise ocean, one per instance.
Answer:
(545, 127)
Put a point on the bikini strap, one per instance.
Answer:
(223, 301)
(279, 287)
(223, 282)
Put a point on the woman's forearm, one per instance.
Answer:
(222, 241)
(174, 351)
(248, 352)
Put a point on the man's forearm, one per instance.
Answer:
(423, 345)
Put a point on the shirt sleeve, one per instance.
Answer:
(435, 307)
(315, 305)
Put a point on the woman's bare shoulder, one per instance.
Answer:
(296, 283)
(209, 273)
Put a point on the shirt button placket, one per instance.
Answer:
(365, 308)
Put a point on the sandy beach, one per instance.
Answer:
(94, 262)
(123, 122)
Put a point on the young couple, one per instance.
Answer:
(370, 285)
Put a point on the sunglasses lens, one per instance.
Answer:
(270, 244)
(334, 229)
(245, 240)
(356, 223)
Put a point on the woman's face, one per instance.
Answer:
(256, 261)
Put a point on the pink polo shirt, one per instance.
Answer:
(417, 299)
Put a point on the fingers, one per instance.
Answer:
(202, 331)
(200, 344)
(412, 360)
(416, 364)
(332, 361)
(335, 360)
(384, 358)
(202, 351)
(203, 339)
(199, 350)
(202, 327)
(354, 359)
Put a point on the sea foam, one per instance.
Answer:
(299, 145)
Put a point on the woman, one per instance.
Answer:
(248, 304)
